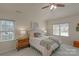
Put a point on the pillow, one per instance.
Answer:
(37, 34)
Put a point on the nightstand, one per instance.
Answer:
(22, 43)
(76, 43)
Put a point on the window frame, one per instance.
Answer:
(8, 31)
(60, 30)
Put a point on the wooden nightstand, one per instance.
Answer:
(76, 44)
(22, 43)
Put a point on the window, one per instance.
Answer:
(61, 29)
(56, 29)
(7, 30)
(64, 29)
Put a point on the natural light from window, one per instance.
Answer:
(61, 29)
(7, 30)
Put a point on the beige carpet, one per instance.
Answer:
(65, 50)
(23, 52)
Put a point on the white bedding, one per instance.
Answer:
(35, 42)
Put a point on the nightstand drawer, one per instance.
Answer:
(21, 43)
(76, 44)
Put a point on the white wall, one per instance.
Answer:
(42, 25)
(73, 34)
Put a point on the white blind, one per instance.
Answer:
(7, 30)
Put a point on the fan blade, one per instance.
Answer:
(60, 5)
(45, 7)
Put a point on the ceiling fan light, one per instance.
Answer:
(55, 7)
(52, 6)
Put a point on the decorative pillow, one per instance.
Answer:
(37, 34)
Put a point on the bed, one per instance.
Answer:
(43, 44)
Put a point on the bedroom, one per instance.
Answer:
(30, 16)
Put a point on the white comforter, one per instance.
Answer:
(35, 42)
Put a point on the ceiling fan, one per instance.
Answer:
(53, 6)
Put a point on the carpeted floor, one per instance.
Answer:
(64, 50)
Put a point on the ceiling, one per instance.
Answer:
(33, 11)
